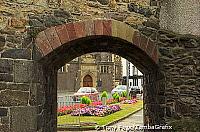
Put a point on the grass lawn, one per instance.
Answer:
(126, 110)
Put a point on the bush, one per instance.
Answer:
(116, 96)
(85, 100)
(124, 94)
(104, 94)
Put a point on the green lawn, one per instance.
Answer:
(126, 110)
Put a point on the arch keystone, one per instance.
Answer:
(80, 29)
(89, 28)
(98, 27)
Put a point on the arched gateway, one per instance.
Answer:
(29, 96)
(60, 44)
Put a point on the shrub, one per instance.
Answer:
(124, 94)
(116, 96)
(104, 94)
(85, 100)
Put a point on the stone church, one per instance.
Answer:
(101, 70)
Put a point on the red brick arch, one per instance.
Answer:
(54, 37)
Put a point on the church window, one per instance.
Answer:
(104, 69)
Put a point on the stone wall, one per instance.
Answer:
(28, 90)
(25, 94)
(179, 63)
(181, 16)
(21, 93)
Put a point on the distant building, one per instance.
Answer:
(135, 76)
(101, 70)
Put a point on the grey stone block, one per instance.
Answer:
(3, 112)
(4, 128)
(14, 86)
(6, 77)
(13, 98)
(38, 73)
(2, 41)
(23, 71)
(5, 120)
(37, 94)
(18, 86)
(17, 54)
(23, 119)
(6, 66)
(3, 86)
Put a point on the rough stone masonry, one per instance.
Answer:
(27, 87)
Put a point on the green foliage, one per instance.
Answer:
(116, 96)
(104, 94)
(124, 94)
(85, 100)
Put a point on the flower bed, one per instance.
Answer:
(132, 101)
(96, 103)
(68, 109)
(111, 101)
(95, 108)
(100, 110)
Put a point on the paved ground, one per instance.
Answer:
(126, 125)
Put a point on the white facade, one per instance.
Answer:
(132, 71)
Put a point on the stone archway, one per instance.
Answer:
(53, 38)
(87, 81)
(60, 44)
(28, 68)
